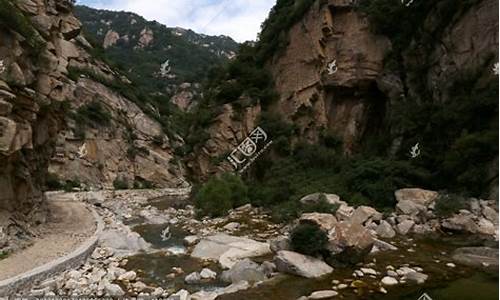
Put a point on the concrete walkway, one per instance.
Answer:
(70, 224)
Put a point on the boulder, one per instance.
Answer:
(318, 197)
(363, 213)
(193, 278)
(280, 243)
(128, 276)
(418, 196)
(245, 270)
(415, 277)
(124, 242)
(229, 249)
(385, 230)
(204, 295)
(464, 221)
(324, 221)
(409, 207)
(191, 240)
(113, 290)
(486, 227)
(301, 265)
(383, 246)
(232, 226)
(208, 274)
(180, 295)
(490, 214)
(405, 226)
(350, 241)
(477, 257)
(344, 212)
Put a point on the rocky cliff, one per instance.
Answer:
(379, 84)
(64, 119)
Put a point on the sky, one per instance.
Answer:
(239, 19)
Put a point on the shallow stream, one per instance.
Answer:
(431, 254)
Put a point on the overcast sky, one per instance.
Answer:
(239, 19)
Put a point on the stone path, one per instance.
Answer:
(69, 225)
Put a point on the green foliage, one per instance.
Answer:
(3, 255)
(12, 18)
(120, 184)
(189, 58)
(309, 239)
(71, 185)
(241, 77)
(221, 194)
(448, 204)
(53, 183)
(280, 182)
(93, 114)
(460, 136)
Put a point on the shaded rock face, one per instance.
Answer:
(29, 112)
(301, 265)
(318, 99)
(229, 129)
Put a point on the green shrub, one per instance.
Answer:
(221, 194)
(92, 114)
(309, 239)
(448, 204)
(70, 185)
(120, 184)
(3, 255)
(53, 183)
(214, 198)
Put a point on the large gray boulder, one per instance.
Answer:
(478, 257)
(464, 221)
(364, 213)
(385, 230)
(228, 250)
(301, 265)
(318, 197)
(124, 241)
(244, 270)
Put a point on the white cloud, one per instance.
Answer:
(240, 19)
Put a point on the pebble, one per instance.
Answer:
(450, 265)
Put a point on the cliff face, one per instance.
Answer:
(53, 117)
(344, 100)
(337, 76)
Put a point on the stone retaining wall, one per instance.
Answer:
(12, 285)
